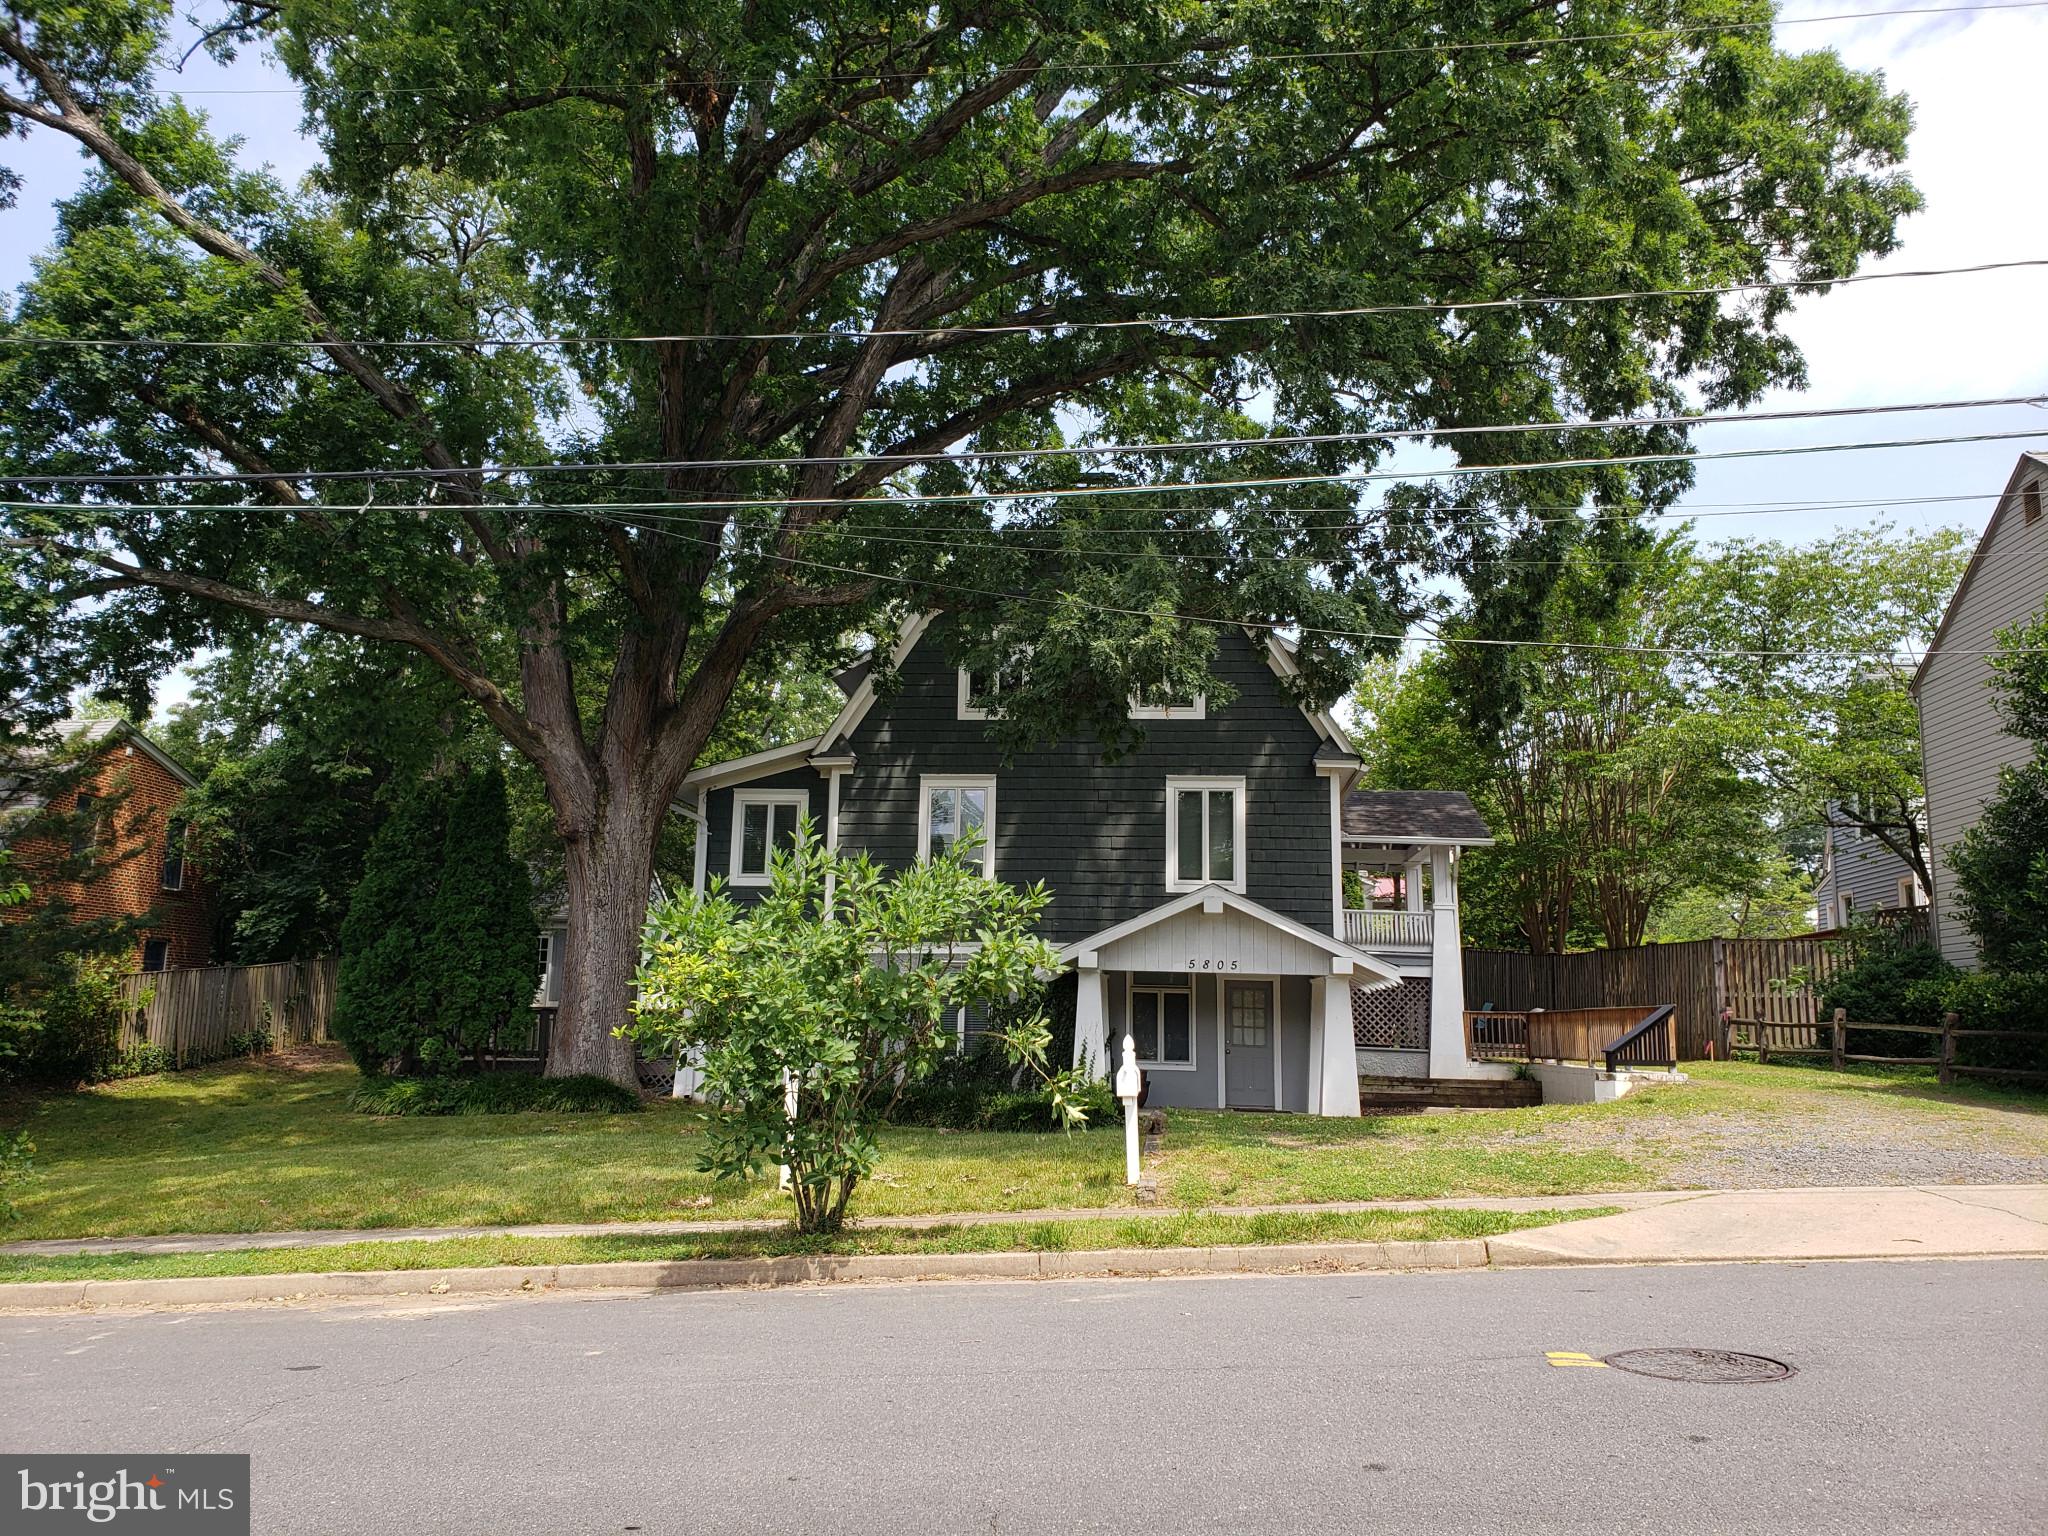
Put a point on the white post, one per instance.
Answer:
(1336, 1061)
(1090, 1022)
(788, 1120)
(1128, 1084)
(1447, 975)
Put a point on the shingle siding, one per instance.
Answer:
(1963, 738)
(718, 823)
(1865, 869)
(1095, 832)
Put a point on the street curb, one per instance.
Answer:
(1506, 1253)
(725, 1274)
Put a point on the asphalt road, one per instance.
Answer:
(1269, 1404)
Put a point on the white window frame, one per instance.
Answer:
(1198, 710)
(1175, 880)
(1909, 892)
(1132, 987)
(985, 782)
(741, 800)
(544, 990)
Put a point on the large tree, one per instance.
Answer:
(872, 235)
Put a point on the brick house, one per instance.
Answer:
(136, 788)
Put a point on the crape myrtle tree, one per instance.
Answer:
(874, 236)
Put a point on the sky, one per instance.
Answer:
(1975, 81)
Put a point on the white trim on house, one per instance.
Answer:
(754, 765)
(1187, 989)
(702, 855)
(862, 699)
(742, 801)
(1366, 970)
(985, 782)
(1176, 785)
(1198, 710)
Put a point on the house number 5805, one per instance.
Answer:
(1211, 965)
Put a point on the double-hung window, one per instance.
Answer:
(958, 810)
(981, 693)
(763, 821)
(1162, 1022)
(1204, 833)
(174, 857)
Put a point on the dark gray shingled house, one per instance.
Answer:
(1262, 930)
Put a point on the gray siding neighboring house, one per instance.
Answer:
(1963, 741)
(1247, 981)
(1860, 874)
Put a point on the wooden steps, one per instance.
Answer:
(1413, 1095)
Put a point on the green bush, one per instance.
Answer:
(974, 1091)
(1986, 1000)
(143, 1060)
(17, 1167)
(76, 1033)
(491, 1093)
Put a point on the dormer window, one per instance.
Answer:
(981, 692)
(1164, 704)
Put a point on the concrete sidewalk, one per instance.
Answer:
(240, 1242)
(1925, 1221)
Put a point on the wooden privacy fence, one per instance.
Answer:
(1765, 979)
(192, 1014)
(1832, 1041)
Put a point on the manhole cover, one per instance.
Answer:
(1718, 1367)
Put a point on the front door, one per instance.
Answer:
(1248, 1026)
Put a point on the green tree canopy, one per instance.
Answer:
(874, 236)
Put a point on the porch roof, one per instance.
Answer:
(1414, 816)
(1215, 901)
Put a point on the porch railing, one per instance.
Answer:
(1639, 1035)
(1375, 929)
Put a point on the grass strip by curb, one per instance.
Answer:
(1192, 1230)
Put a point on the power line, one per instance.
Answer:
(1062, 493)
(856, 461)
(1069, 492)
(1224, 48)
(1378, 636)
(1032, 327)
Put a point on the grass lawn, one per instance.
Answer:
(268, 1145)
(1187, 1230)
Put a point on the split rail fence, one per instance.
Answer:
(191, 1015)
(1752, 1034)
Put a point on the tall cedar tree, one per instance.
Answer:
(873, 235)
(480, 960)
(377, 994)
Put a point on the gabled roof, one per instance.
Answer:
(754, 765)
(2030, 462)
(19, 799)
(1213, 898)
(1415, 815)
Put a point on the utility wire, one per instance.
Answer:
(1034, 327)
(1061, 493)
(1223, 50)
(992, 455)
(1379, 636)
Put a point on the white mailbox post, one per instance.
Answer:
(1128, 1082)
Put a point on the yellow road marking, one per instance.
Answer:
(1571, 1357)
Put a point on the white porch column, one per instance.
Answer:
(1091, 1021)
(1447, 976)
(1333, 1064)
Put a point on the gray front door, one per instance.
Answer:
(1248, 1027)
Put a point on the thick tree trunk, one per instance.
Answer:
(609, 873)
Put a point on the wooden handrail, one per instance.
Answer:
(1631, 1051)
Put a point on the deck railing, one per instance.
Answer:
(1378, 929)
(1633, 1036)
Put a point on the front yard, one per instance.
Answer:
(269, 1145)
